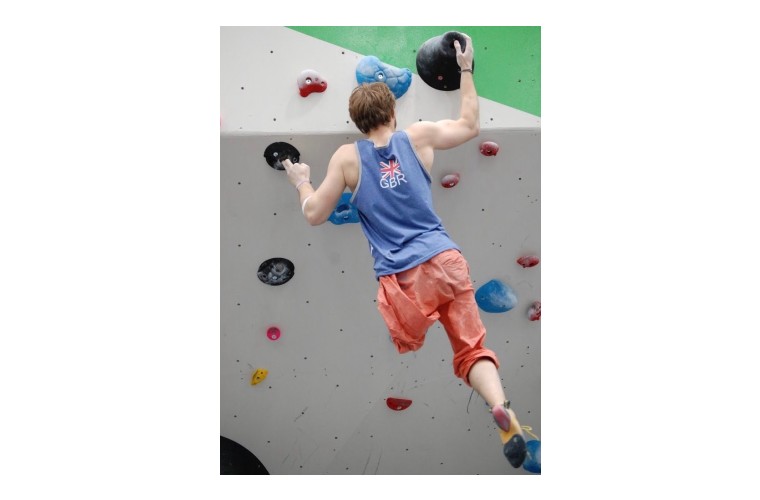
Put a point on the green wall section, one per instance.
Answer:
(507, 58)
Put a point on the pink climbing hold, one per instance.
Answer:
(309, 81)
(489, 148)
(528, 260)
(449, 181)
(534, 313)
(273, 333)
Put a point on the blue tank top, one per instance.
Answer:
(395, 206)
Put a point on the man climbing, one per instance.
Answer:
(423, 277)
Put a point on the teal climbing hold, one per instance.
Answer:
(533, 459)
(345, 212)
(371, 69)
(496, 297)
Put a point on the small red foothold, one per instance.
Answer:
(449, 181)
(309, 81)
(534, 313)
(528, 261)
(489, 148)
(273, 333)
(398, 404)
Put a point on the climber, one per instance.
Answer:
(423, 277)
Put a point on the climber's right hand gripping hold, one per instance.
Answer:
(464, 57)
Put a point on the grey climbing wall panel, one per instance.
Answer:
(322, 407)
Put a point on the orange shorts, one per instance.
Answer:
(439, 289)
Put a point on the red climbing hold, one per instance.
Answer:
(489, 148)
(528, 260)
(449, 181)
(309, 81)
(398, 404)
(534, 313)
(273, 333)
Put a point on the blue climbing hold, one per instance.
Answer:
(533, 458)
(345, 212)
(496, 297)
(371, 69)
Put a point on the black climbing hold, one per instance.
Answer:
(278, 151)
(515, 451)
(437, 61)
(276, 271)
(237, 460)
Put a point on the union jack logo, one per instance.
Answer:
(390, 169)
(392, 175)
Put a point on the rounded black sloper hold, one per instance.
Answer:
(235, 459)
(276, 271)
(278, 151)
(437, 61)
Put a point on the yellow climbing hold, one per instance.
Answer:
(258, 376)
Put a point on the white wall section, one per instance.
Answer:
(259, 72)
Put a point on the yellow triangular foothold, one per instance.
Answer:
(258, 376)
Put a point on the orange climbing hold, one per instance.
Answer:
(258, 376)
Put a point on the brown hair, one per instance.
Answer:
(371, 105)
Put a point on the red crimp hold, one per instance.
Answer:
(528, 260)
(398, 404)
(273, 333)
(309, 81)
(534, 313)
(489, 148)
(449, 181)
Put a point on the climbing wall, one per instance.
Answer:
(329, 364)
